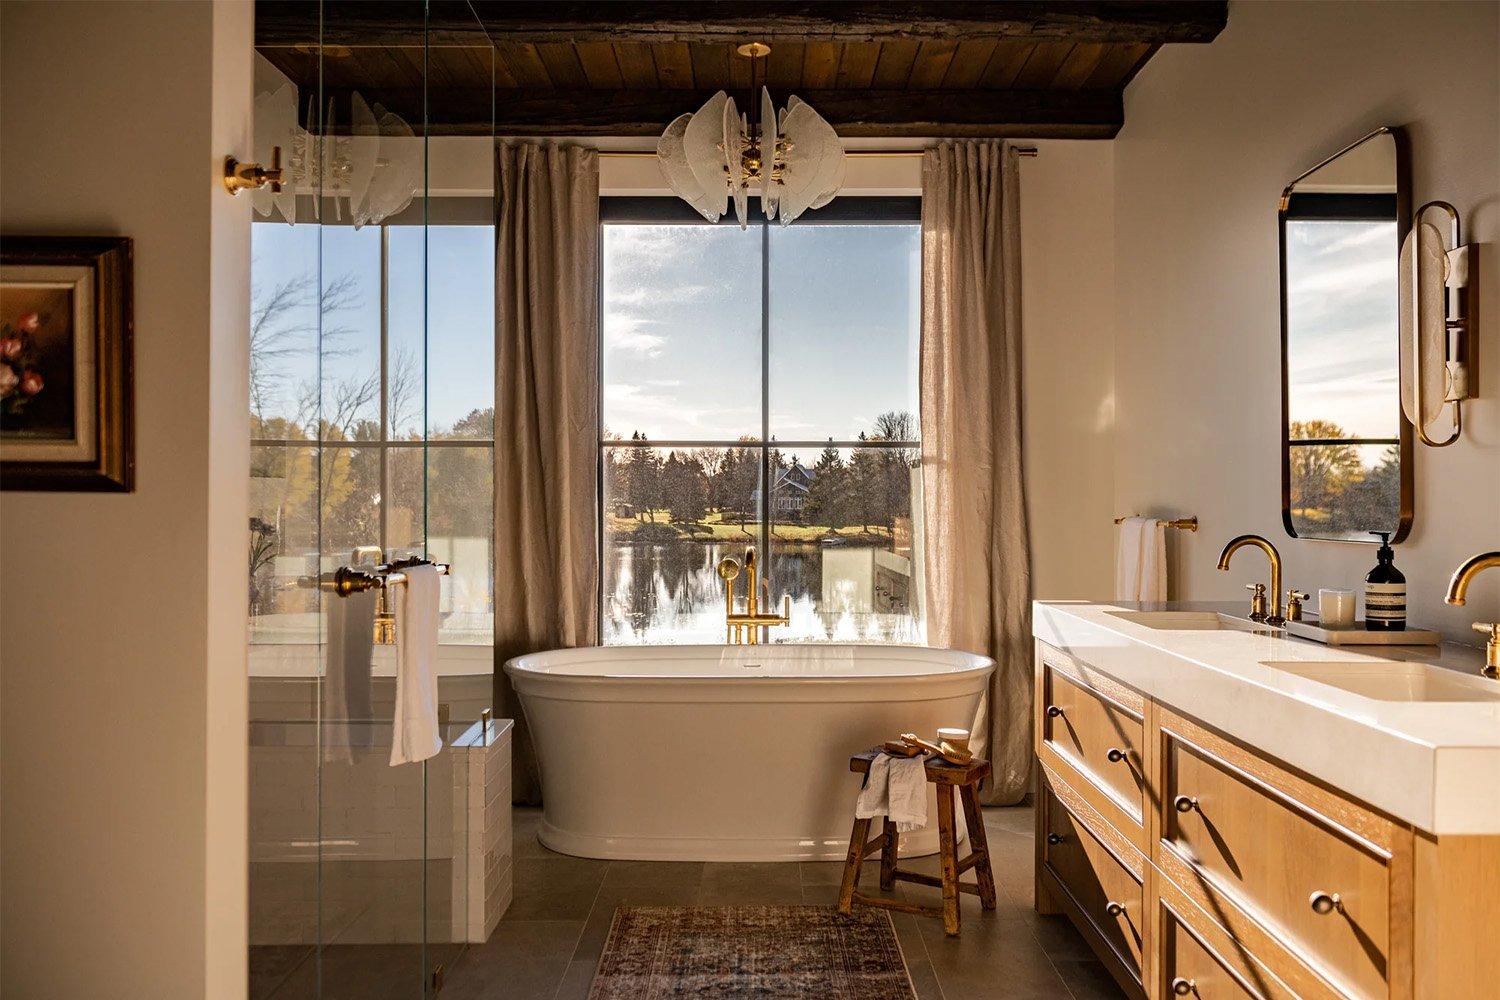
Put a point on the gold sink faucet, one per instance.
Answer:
(745, 629)
(1458, 592)
(1260, 610)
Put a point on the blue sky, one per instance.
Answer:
(681, 323)
(1342, 325)
(460, 327)
(682, 329)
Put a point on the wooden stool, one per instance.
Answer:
(946, 777)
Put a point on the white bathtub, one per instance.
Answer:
(727, 753)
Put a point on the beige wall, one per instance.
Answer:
(1212, 134)
(122, 685)
(1067, 292)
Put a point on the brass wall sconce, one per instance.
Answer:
(249, 176)
(1439, 321)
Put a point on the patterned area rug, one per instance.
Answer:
(743, 952)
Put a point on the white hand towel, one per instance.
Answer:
(895, 788)
(908, 794)
(1141, 561)
(873, 797)
(415, 734)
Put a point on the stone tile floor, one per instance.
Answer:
(548, 944)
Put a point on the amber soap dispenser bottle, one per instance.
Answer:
(1385, 591)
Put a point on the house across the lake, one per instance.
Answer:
(790, 492)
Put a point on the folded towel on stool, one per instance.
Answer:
(895, 788)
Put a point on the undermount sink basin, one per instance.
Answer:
(1186, 621)
(1385, 680)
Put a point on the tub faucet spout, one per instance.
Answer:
(745, 628)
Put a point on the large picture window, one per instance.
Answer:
(760, 389)
(355, 410)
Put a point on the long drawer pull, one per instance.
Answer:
(1325, 902)
(1185, 803)
(1182, 987)
(1116, 755)
(1053, 712)
(1114, 909)
(1054, 839)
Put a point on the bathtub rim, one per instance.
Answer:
(530, 678)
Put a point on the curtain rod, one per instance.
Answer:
(866, 153)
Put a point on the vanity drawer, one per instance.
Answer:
(1308, 869)
(1191, 968)
(1098, 878)
(1095, 727)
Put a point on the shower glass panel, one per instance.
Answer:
(372, 408)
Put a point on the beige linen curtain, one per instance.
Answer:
(977, 561)
(546, 414)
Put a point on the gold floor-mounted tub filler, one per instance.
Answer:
(744, 629)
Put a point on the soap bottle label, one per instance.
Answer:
(1385, 603)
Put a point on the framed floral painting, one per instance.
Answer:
(66, 410)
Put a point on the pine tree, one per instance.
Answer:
(826, 493)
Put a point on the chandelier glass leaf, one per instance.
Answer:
(715, 156)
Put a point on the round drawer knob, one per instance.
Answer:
(1053, 712)
(1114, 909)
(1182, 987)
(1054, 839)
(1325, 902)
(1116, 755)
(1185, 803)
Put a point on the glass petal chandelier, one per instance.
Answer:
(793, 160)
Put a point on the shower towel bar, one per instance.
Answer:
(348, 580)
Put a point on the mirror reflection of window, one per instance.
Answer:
(1340, 248)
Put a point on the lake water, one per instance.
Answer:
(671, 593)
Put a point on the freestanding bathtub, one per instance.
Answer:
(727, 753)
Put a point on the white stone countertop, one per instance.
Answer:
(1435, 765)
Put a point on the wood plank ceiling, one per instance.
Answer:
(871, 68)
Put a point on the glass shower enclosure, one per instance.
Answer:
(372, 421)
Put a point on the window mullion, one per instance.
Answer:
(383, 475)
(767, 483)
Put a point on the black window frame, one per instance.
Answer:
(661, 210)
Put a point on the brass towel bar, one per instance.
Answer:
(348, 580)
(1182, 523)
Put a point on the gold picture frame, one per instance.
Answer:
(66, 378)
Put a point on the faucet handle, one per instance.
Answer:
(1294, 599)
(1257, 601)
(1491, 629)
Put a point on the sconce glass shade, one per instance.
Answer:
(374, 171)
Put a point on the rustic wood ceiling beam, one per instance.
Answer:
(1038, 114)
(452, 22)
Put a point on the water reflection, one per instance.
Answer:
(669, 592)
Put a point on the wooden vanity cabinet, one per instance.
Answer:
(1255, 881)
